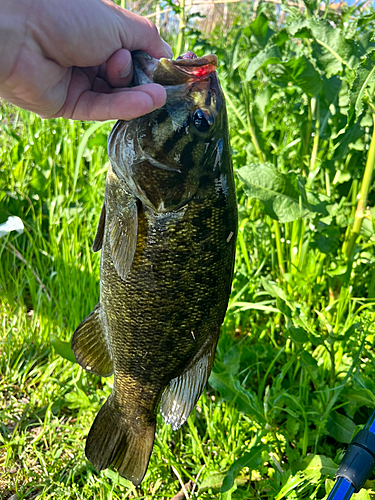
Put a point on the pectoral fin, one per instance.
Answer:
(98, 242)
(183, 392)
(123, 237)
(90, 345)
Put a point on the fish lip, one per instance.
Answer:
(180, 71)
(169, 72)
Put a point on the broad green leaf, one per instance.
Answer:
(317, 202)
(302, 73)
(251, 459)
(232, 359)
(317, 465)
(343, 141)
(280, 193)
(340, 428)
(292, 483)
(273, 289)
(62, 348)
(364, 397)
(362, 495)
(270, 55)
(39, 180)
(117, 479)
(98, 140)
(78, 399)
(298, 70)
(260, 29)
(247, 402)
(327, 238)
(366, 40)
(227, 495)
(365, 19)
(231, 390)
(215, 481)
(283, 307)
(364, 75)
(297, 334)
(331, 89)
(332, 50)
(307, 360)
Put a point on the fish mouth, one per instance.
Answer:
(185, 69)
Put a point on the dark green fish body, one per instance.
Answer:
(167, 233)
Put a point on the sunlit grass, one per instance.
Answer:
(294, 372)
(49, 281)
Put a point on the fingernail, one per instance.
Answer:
(168, 49)
(126, 70)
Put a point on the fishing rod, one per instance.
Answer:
(357, 464)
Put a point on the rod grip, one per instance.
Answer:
(359, 459)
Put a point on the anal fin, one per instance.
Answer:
(90, 345)
(184, 391)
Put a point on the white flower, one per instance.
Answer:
(12, 224)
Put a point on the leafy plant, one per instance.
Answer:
(293, 377)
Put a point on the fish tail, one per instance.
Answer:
(115, 441)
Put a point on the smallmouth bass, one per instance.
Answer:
(167, 233)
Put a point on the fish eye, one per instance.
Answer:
(202, 120)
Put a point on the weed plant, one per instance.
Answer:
(294, 374)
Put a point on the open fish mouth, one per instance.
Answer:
(185, 69)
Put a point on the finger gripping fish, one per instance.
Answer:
(167, 233)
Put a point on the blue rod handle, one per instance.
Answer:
(342, 490)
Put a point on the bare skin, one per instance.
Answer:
(72, 59)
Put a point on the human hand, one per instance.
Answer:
(72, 59)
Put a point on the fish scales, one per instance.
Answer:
(167, 234)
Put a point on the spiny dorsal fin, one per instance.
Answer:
(98, 242)
(115, 440)
(90, 346)
(123, 237)
(183, 392)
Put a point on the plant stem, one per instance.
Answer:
(314, 151)
(306, 140)
(362, 202)
(246, 124)
(253, 136)
(279, 248)
(331, 351)
(181, 29)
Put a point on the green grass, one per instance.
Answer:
(48, 403)
(295, 368)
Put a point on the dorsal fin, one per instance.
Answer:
(98, 242)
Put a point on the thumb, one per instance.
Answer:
(139, 33)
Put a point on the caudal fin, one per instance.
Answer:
(113, 440)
